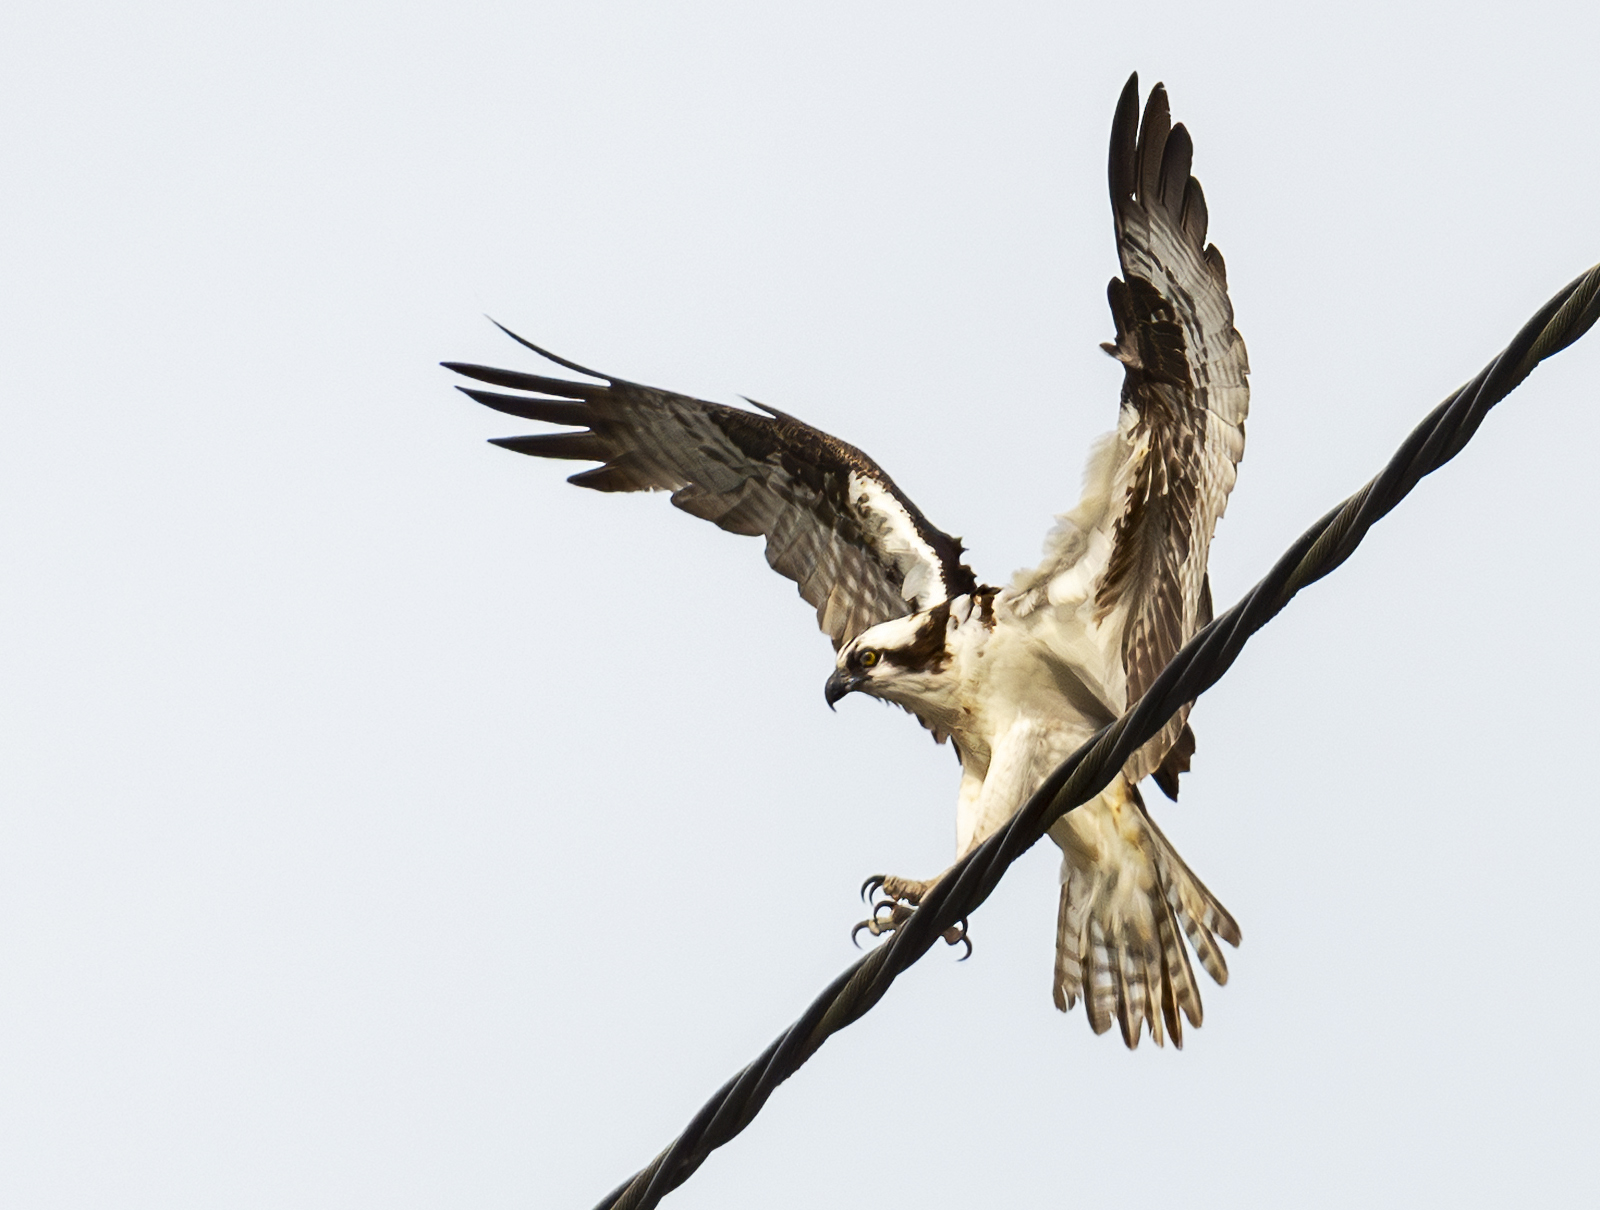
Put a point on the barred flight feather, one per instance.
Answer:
(1185, 384)
(859, 550)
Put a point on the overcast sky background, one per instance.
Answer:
(388, 824)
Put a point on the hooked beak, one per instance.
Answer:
(839, 684)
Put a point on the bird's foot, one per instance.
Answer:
(893, 900)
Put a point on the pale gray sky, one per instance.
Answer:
(388, 824)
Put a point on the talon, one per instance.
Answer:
(874, 926)
(956, 934)
(893, 901)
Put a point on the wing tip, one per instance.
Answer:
(1124, 144)
(1151, 158)
(514, 444)
(1154, 130)
(773, 412)
(549, 356)
(532, 407)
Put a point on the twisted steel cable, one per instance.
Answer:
(1202, 662)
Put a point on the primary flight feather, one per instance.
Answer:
(1018, 677)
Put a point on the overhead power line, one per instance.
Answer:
(1202, 662)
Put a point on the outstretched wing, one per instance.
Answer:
(835, 524)
(1184, 397)
(1131, 558)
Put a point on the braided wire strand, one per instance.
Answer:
(1203, 661)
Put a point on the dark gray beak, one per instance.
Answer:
(839, 684)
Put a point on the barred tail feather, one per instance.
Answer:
(1128, 901)
(1204, 918)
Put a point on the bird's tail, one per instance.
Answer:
(1127, 903)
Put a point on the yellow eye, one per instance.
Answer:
(869, 658)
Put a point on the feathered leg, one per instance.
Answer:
(894, 899)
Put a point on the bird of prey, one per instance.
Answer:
(1017, 677)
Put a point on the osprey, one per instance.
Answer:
(1018, 677)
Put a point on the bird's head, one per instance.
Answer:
(899, 660)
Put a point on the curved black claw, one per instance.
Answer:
(878, 924)
(960, 930)
(896, 906)
(899, 913)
